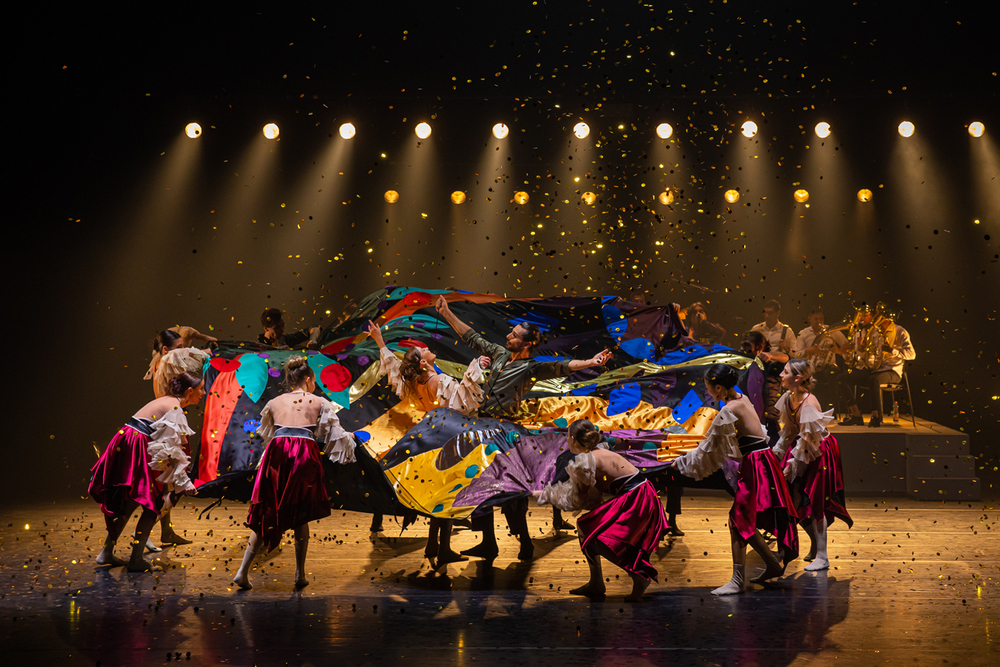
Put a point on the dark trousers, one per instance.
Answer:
(865, 383)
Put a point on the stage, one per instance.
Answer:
(912, 583)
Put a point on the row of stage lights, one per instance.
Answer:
(666, 197)
(582, 130)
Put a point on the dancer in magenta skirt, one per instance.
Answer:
(762, 497)
(125, 476)
(289, 492)
(810, 457)
(626, 529)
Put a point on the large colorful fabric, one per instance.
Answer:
(651, 386)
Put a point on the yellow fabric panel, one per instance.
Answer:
(420, 485)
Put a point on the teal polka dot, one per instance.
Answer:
(649, 445)
(457, 487)
(561, 422)
(492, 448)
(437, 508)
(471, 471)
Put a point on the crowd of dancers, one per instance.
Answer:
(779, 478)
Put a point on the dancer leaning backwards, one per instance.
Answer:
(762, 497)
(289, 491)
(125, 476)
(626, 529)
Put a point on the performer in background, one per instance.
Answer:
(879, 347)
(274, 334)
(821, 345)
(763, 382)
(778, 334)
(699, 328)
(415, 379)
(626, 529)
(289, 492)
(810, 457)
(125, 476)
(512, 374)
(762, 498)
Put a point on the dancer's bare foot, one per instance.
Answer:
(243, 581)
(639, 586)
(819, 563)
(150, 547)
(142, 565)
(591, 590)
(108, 557)
(173, 538)
(300, 580)
(449, 556)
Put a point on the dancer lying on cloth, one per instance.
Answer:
(625, 529)
(125, 476)
(414, 379)
(810, 456)
(289, 491)
(762, 497)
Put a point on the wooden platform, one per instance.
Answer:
(929, 462)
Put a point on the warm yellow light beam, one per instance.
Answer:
(906, 129)
(749, 129)
(666, 197)
(422, 130)
(391, 196)
(581, 130)
(347, 130)
(193, 130)
(864, 195)
(271, 131)
(801, 195)
(457, 197)
(732, 196)
(823, 130)
(664, 131)
(976, 129)
(500, 131)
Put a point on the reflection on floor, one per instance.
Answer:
(913, 583)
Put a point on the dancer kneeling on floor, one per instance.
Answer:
(762, 497)
(125, 476)
(625, 529)
(810, 457)
(289, 492)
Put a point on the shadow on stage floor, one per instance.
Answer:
(909, 585)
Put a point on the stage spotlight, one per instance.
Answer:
(391, 196)
(666, 197)
(906, 128)
(423, 130)
(801, 195)
(347, 130)
(732, 196)
(457, 197)
(521, 197)
(589, 198)
(581, 130)
(975, 129)
(822, 130)
(271, 131)
(864, 195)
(664, 131)
(500, 131)
(749, 129)
(193, 130)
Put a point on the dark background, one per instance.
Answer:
(121, 226)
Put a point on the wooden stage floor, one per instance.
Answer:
(913, 583)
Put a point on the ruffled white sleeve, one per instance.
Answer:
(390, 365)
(266, 428)
(463, 395)
(579, 491)
(788, 429)
(166, 450)
(812, 430)
(339, 443)
(720, 445)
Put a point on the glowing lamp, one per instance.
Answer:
(422, 130)
(975, 129)
(500, 131)
(457, 197)
(822, 130)
(521, 197)
(589, 198)
(906, 128)
(864, 195)
(391, 196)
(347, 130)
(193, 130)
(801, 195)
(271, 131)
(749, 129)
(732, 196)
(581, 130)
(666, 197)
(663, 130)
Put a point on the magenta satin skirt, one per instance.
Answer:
(122, 476)
(630, 525)
(288, 491)
(764, 502)
(822, 485)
